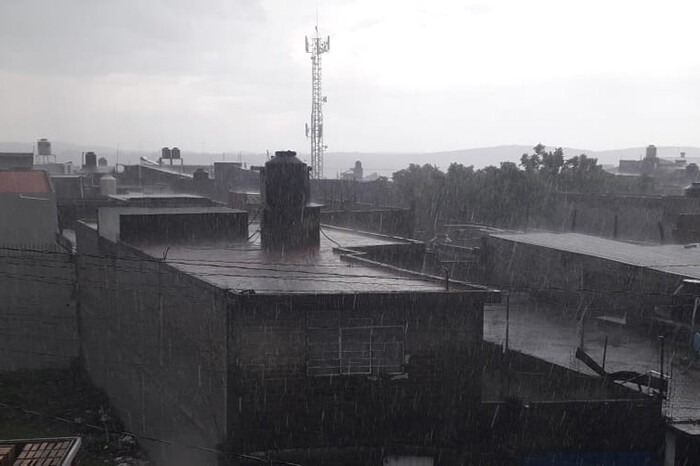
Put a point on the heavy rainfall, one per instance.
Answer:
(256, 232)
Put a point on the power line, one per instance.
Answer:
(233, 265)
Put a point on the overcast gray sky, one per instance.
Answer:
(402, 75)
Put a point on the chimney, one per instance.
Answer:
(289, 221)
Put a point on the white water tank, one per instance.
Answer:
(108, 185)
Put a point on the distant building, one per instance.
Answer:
(668, 168)
(16, 160)
(354, 173)
(37, 277)
(28, 213)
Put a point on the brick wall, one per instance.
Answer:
(38, 326)
(154, 339)
(274, 404)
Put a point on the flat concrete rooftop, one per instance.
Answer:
(669, 258)
(245, 266)
(158, 196)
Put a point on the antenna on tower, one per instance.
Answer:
(316, 47)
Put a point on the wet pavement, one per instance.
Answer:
(553, 333)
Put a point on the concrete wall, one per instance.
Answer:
(231, 176)
(172, 225)
(38, 325)
(535, 409)
(386, 220)
(274, 404)
(577, 279)
(639, 218)
(155, 340)
(333, 193)
(590, 428)
(28, 219)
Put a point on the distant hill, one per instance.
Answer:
(388, 163)
(383, 163)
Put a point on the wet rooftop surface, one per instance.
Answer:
(551, 333)
(245, 266)
(669, 258)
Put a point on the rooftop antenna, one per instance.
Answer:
(316, 47)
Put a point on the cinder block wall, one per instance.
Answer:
(38, 325)
(154, 339)
(274, 404)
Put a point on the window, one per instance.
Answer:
(355, 350)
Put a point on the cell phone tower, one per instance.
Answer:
(317, 46)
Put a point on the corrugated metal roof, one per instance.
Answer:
(670, 258)
(24, 181)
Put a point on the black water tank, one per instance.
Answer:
(175, 153)
(90, 159)
(165, 153)
(289, 222)
(285, 182)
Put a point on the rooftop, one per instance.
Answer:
(24, 181)
(245, 266)
(669, 258)
(140, 196)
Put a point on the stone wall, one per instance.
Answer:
(38, 325)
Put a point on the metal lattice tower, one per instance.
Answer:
(316, 47)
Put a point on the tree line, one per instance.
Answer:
(508, 196)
